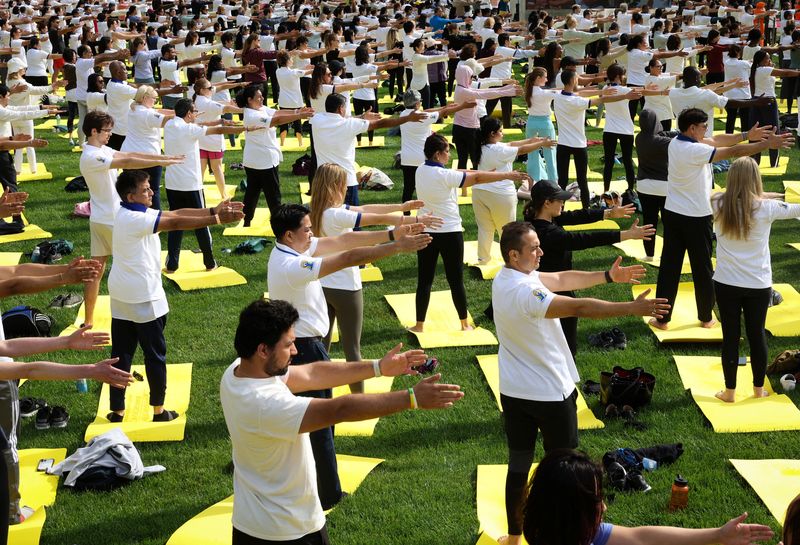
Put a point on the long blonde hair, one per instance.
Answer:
(327, 191)
(734, 213)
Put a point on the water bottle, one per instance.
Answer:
(81, 385)
(680, 494)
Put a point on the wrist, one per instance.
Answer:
(376, 367)
(609, 280)
(212, 211)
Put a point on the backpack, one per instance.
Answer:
(11, 227)
(629, 196)
(78, 183)
(51, 251)
(251, 246)
(25, 321)
(302, 166)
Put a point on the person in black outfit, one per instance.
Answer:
(545, 212)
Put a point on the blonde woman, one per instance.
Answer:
(144, 133)
(743, 217)
(331, 217)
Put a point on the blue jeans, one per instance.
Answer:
(541, 126)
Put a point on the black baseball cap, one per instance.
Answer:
(546, 190)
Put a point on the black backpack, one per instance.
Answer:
(25, 321)
(78, 183)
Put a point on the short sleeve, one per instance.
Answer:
(302, 269)
(196, 131)
(700, 154)
(536, 301)
(281, 415)
(337, 220)
(779, 210)
(358, 125)
(452, 178)
(142, 223)
(507, 153)
(153, 119)
(128, 91)
(603, 534)
(95, 162)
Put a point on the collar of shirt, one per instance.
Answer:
(566, 93)
(285, 249)
(117, 80)
(430, 163)
(686, 138)
(133, 206)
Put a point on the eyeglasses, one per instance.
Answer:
(106, 130)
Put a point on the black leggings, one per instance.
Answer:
(396, 77)
(468, 143)
(438, 93)
(305, 83)
(409, 184)
(505, 104)
(651, 206)
(259, 181)
(271, 69)
(666, 124)
(765, 115)
(452, 65)
(359, 107)
(72, 113)
(563, 154)
(319, 537)
(451, 247)
(733, 113)
(297, 125)
(732, 301)
(609, 148)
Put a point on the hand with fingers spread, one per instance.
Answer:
(396, 363)
(642, 306)
(410, 238)
(83, 339)
(784, 140)
(417, 116)
(429, 220)
(81, 270)
(431, 394)
(626, 275)
(735, 532)
(637, 232)
(104, 371)
(623, 211)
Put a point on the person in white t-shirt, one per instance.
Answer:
(85, 65)
(291, 96)
(743, 217)
(687, 213)
(504, 71)
(331, 217)
(495, 204)
(274, 478)
(639, 56)
(138, 303)
(295, 267)
(537, 370)
(98, 166)
(659, 103)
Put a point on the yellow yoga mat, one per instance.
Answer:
(213, 526)
(491, 501)
(41, 173)
(792, 190)
(370, 273)
(192, 273)
(77, 149)
(377, 385)
(138, 424)
(488, 270)
(377, 142)
(37, 489)
(684, 326)
(609, 225)
(776, 482)
(784, 320)
(211, 193)
(31, 232)
(442, 326)
(305, 188)
(488, 364)
(291, 144)
(590, 174)
(454, 164)
(102, 317)
(766, 170)
(259, 227)
(635, 249)
(50, 123)
(703, 376)
(9, 258)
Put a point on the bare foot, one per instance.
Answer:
(509, 540)
(214, 268)
(727, 395)
(168, 271)
(709, 324)
(467, 327)
(760, 392)
(416, 329)
(663, 326)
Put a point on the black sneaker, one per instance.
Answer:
(43, 418)
(616, 475)
(635, 481)
(59, 417)
(619, 338)
(29, 406)
(601, 340)
(71, 300)
(165, 416)
(114, 418)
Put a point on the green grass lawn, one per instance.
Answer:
(424, 493)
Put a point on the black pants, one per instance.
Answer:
(523, 419)
(569, 326)
(715, 77)
(409, 184)
(452, 65)
(396, 78)
(296, 125)
(451, 248)
(610, 140)
(666, 124)
(188, 199)
(155, 184)
(116, 140)
(271, 69)
(309, 350)
(305, 83)
(468, 143)
(39, 81)
(733, 113)
(126, 336)
(687, 234)
(505, 104)
(259, 181)
(633, 105)
(438, 93)
(8, 173)
(581, 156)
(316, 538)
(72, 113)
(359, 107)
(753, 302)
(409, 77)
(651, 206)
(425, 95)
(765, 115)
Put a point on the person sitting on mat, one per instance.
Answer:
(743, 217)
(687, 210)
(138, 303)
(545, 211)
(274, 479)
(537, 370)
(565, 505)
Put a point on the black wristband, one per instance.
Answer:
(608, 277)
(391, 235)
(211, 211)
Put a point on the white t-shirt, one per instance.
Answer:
(182, 138)
(261, 148)
(412, 138)
(95, 166)
(637, 62)
(660, 105)
(737, 69)
(571, 116)
(419, 69)
(541, 99)
(289, 81)
(749, 51)
(294, 277)
(135, 275)
(338, 221)
(274, 478)
(119, 96)
(498, 157)
(362, 70)
(97, 102)
(37, 62)
(437, 186)
(335, 140)
(618, 115)
(624, 22)
(209, 110)
(694, 97)
(690, 177)
(169, 70)
(83, 68)
(534, 358)
(144, 130)
(765, 81)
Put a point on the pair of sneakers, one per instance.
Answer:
(66, 300)
(614, 338)
(621, 479)
(163, 416)
(51, 417)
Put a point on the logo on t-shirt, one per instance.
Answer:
(100, 159)
(539, 294)
(307, 265)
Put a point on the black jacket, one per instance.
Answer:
(652, 146)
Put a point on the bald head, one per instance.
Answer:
(118, 70)
(691, 77)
